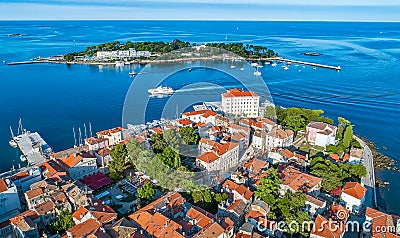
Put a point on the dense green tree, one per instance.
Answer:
(270, 112)
(147, 191)
(170, 157)
(358, 171)
(172, 139)
(158, 143)
(64, 222)
(342, 124)
(118, 155)
(347, 137)
(268, 190)
(298, 118)
(189, 135)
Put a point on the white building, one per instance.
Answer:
(95, 143)
(321, 133)
(204, 116)
(113, 135)
(122, 54)
(279, 138)
(79, 165)
(258, 139)
(314, 206)
(240, 103)
(356, 156)
(9, 200)
(222, 157)
(353, 196)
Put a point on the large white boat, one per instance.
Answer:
(161, 91)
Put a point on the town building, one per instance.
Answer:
(356, 156)
(278, 138)
(113, 135)
(79, 165)
(9, 200)
(382, 224)
(96, 143)
(353, 196)
(25, 224)
(314, 206)
(240, 103)
(222, 157)
(203, 116)
(321, 133)
(294, 180)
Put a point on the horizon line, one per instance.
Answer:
(242, 20)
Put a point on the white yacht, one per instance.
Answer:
(274, 64)
(161, 91)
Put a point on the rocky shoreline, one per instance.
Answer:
(381, 161)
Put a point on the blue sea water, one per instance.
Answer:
(52, 98)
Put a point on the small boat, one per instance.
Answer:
(190, 70)
(296, 65)
(315, 68)
(133, 73)
(233, 66)
(119, 64)
(267, 62)
(254, 64)
(274, 64)
(161, 91)
(13, 143)
(285, 67)
(22, 158)
(242, 69)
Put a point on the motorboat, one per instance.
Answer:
(161, 91)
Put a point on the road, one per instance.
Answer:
(369, 180)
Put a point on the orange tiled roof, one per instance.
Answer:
(71, 160)
(108, 132)
(211, 230)
(297, 180)
(201, 219)
(239, 93)
(156, 225)
(3, 186)
(19, 175)
(95, 140)
(204, 113)
(379, 220)
(354, 189)
(277, 132)
(45, 207)
(322, 228)
(208, 157)
(225, 148)
(85, 228)
(103, 152)
(184, 122)
(255, 165)
(209, 142)
(34, 192)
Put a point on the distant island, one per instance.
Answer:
(16, 34)
(312, 54)
(150, 50)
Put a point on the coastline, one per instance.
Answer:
(141, 61)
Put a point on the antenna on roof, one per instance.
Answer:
(90, 129)
(73, 131)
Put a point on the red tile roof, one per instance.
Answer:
(184, 122)
(239, 93)
(71, 160)
(19, 175)
(85, 228)
(3, 186)
(297, 180)
(354, 189)
(34, 193)
(96, 181)
(211, 230)
(95, 140)
(108, 132)
(322, 228)
(208, 157)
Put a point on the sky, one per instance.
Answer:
(281, 10)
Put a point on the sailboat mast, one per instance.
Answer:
(12, 133)
(84, 126)
(90, 129)
(80, 136)
(73, 131)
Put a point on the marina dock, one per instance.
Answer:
(338, 68)
(32, 146)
